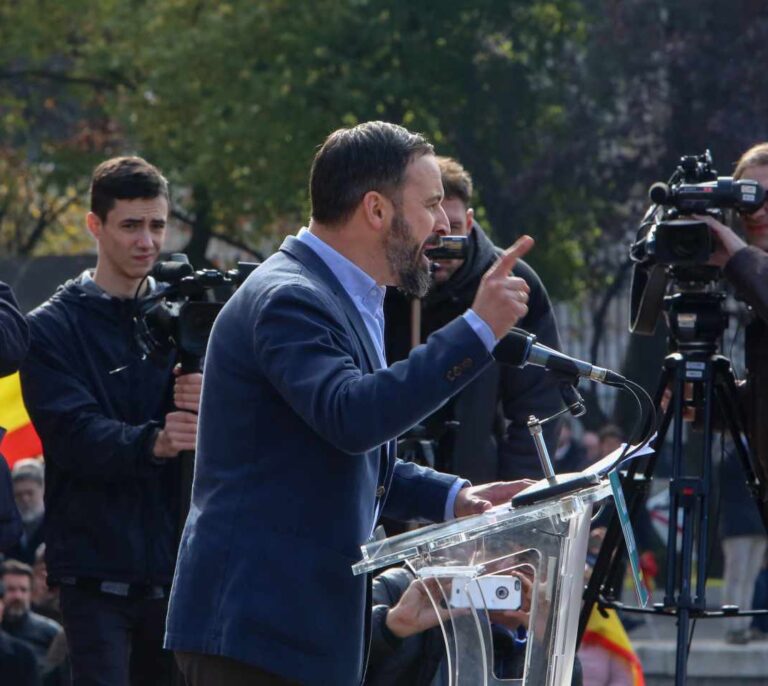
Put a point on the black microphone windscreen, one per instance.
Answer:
(513, 348)
(659, 193)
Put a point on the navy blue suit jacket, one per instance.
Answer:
(295, 456)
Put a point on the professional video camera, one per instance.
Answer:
(180, 316)
(670, 248)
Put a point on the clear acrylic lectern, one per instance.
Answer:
(478, 570)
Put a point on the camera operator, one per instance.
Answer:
(110, 435)
(492, 439)
(745, 265)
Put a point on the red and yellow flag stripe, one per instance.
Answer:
(609, 633)
(21, 439)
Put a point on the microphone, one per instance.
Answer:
(519, 348)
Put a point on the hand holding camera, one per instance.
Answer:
(186, 390)
(726, 243)
(179, 433)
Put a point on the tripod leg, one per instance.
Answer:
(608, 569)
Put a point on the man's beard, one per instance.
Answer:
(15, 610)
(404, 257)
(32, 514)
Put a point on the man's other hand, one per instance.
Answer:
(186, 390)
(502, 299)
(414, 611)
(476, 499)
(179, 433)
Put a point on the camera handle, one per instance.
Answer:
(190, 364)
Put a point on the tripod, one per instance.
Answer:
(696, 322)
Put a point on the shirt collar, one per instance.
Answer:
(360, 286)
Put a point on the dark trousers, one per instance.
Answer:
(115, 640)
(213, 670)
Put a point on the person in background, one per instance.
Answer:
(591, 443)
(28, 492)
(610, 438)
(112, 424)
(45, 598)
(19, 621)
(490, 438)
(18, 666)
(744, 261)
(570, 455)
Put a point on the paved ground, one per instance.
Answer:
(712, 662)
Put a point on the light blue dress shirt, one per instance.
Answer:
(368, 298)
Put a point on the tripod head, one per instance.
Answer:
(696, 321)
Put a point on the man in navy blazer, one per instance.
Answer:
(299, 413)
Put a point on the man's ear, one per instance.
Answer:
(93, 222)
(470, 220)
(376, 209)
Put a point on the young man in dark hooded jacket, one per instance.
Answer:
(492, 440)
(109, 433)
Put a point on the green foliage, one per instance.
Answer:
(563, 110)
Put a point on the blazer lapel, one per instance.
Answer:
(304, 254)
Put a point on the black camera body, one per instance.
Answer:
(673, 247)
(180, 316)
(679, 242)
(723, 193)
(664, 238)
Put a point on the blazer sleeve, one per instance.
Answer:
(304, 349)
(14, 334)
(418, 492)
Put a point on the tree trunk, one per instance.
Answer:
(201, 228)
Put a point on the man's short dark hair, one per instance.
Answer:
(124, 178)
(368, 157)
(457, 183)
(16, 567)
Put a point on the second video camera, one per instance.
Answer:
(673, 248)
(695, 188)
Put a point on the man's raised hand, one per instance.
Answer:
(502, 299)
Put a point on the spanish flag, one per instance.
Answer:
(21, 440)
(608, 632)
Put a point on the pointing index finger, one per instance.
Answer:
(510, 256)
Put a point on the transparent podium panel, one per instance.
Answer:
(505, 587)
